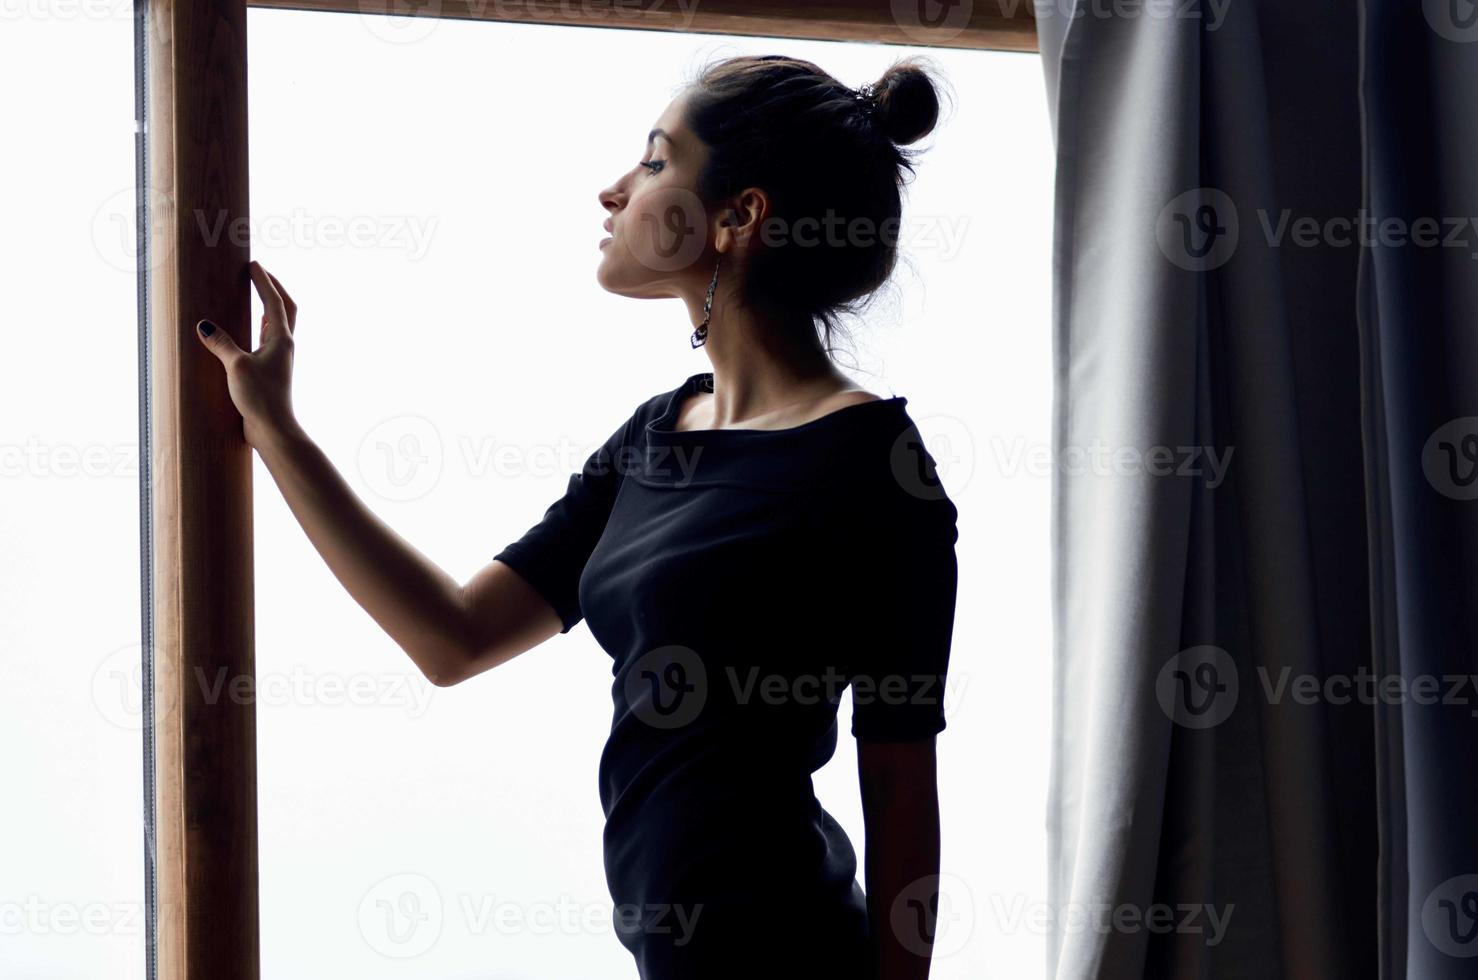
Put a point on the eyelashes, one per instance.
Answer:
(654, 166)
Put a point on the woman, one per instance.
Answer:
(744, 546)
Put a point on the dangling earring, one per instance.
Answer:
(700, 335)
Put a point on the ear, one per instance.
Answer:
(742, 221)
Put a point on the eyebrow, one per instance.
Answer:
(656, 133)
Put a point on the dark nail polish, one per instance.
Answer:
(206, 328)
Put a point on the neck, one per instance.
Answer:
(760, 363)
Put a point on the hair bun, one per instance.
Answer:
(906, 101)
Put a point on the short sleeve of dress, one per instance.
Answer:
(551, 555)
(903, 597)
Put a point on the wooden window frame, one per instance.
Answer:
(201, 856)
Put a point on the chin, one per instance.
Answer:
(612, 281)
(608, 276)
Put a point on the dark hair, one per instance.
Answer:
(821, 150)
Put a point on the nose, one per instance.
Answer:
(611, 199)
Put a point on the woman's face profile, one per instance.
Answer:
(657, 226)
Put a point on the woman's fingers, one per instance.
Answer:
(272, 302)
(292, 308)
(218, 342)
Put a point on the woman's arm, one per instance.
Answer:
(449, 631)
(900, 806)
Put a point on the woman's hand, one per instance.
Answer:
(260, 382)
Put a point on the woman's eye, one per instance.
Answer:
(653, 165)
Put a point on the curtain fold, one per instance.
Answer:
(1119, 540)
(1419, 328)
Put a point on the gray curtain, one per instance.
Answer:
(1419, 327)
(1256, 527)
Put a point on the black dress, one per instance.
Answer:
(740, 580)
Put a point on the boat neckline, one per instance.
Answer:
(665, 417)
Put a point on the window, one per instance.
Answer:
(427, 190)
(429, 197)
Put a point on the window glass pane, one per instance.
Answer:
(428, 194)
(71, 824)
